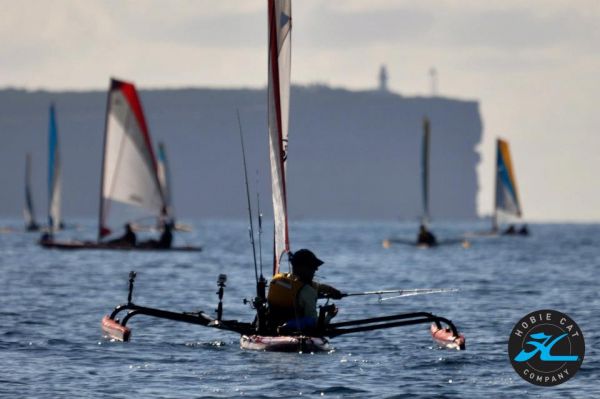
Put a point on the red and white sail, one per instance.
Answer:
(130, 188)
(280, 52)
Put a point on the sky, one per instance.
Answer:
(532, 65)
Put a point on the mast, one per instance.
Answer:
(54, 173)
(102, 230)
(280, 28)
(425, 171)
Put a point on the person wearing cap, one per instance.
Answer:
(292, 297)
(425, 237)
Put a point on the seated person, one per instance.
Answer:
(510, 231)
(292, 297)
(425, 236)
(524, 231)
(165, 240)
(126, 240)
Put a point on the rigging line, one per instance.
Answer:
(248, 196)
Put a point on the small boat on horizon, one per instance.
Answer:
(425, 238)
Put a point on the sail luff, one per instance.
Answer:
(278, 117)
(497, 180)
(425, 170)
(54, 173)
(102, 229)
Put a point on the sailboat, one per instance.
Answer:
(28, 210)
(257, 335)
(54, 175)
(506, 199)
(130, 188)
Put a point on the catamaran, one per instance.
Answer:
(257, 335)
(130, 188)
(28, 211)
(425, 239)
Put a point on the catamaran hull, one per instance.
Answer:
(445, 338)
(284, 343)
(78, 245)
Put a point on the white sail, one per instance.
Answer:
(54, 174)
(130, 186)
(280, 30)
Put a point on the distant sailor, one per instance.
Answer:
(127, 239)
(524, 231)
(292, 297)
(165, 240)
(425, 237)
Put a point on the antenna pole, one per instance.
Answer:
(248, 197)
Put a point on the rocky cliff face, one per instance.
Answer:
(352, 154)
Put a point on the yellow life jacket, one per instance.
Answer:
(283, 291)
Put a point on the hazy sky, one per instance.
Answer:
(533, 65)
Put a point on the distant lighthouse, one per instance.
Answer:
(383, 79)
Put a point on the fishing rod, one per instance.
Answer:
(259, 231)
(402, 293)
(248, 198)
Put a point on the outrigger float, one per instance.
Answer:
(255, 336)
(259, 334)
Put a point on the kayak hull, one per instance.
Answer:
(79, 245)
(445, 338)
(299, 343)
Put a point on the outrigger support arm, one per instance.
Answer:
(379, 323)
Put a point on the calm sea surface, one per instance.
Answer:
(51, 303)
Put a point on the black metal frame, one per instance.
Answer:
(243, 328)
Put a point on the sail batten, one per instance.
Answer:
(54, 173)
(130, 179)
(507, 196)
(280, 25)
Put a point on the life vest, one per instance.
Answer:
(283, 291)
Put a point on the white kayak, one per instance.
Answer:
(284, 343)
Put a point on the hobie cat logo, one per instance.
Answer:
(546, 347)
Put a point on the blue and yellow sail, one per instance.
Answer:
(507, 195)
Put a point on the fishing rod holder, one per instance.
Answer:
(221, 280)
(132, 276)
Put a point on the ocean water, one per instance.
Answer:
(51, 303)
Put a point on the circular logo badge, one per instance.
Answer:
(546, 347)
